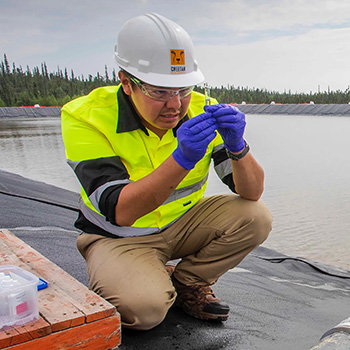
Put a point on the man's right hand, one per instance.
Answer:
(193, 138)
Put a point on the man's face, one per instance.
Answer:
(157, 116)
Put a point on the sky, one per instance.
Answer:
(278, 45)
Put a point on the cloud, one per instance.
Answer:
(300, 63)
(239, 21)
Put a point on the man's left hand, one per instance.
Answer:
(231, 125)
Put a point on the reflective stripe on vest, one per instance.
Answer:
(94, 197)
(98, 219)
(186, 191)
(224, 168)
(121, 231)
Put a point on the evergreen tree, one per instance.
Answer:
(106, 75)
(6, 65)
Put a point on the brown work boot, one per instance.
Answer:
(200, 302)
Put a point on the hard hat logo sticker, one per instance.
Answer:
(177, 61)
(177, 57)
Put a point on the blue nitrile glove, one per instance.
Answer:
(231, 125)
(193, 138)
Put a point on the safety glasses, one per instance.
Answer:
(159, 93)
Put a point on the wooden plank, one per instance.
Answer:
(93, 306)
(98, 335)
(54, 307)
(20, 334)
(9, 257)
(56, 310)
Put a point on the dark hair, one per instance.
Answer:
(128, 75)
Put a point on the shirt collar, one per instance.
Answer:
(128, 119)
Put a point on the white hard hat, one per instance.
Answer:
(157, 51)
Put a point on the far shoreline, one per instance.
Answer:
(272, 108)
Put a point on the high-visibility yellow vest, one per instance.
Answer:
(90, 130)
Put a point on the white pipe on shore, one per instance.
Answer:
(337, 338)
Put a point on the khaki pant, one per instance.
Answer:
(211, 238)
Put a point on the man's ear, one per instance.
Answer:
(125, 83)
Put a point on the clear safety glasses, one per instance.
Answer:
(160, 93)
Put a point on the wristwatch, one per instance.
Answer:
(239, 155)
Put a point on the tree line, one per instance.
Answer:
(19, 87)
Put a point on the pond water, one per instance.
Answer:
(307, 175)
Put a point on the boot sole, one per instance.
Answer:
(205, 316)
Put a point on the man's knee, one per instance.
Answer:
(261, 221)
(143, 318)
(251, 218)
(144, 311)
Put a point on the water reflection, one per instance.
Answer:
(34, 148)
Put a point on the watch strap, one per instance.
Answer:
(238, 156)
